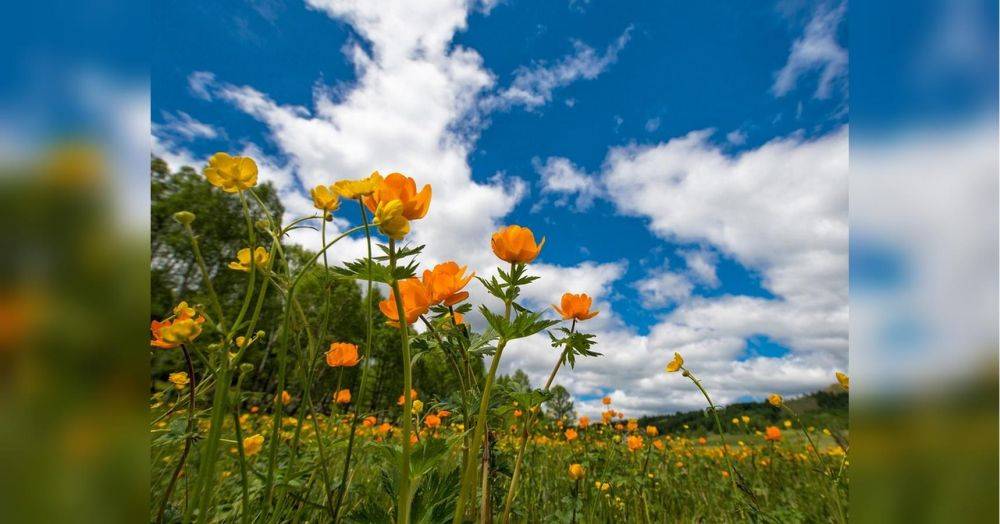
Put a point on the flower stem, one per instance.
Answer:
(187, 440)
(403, 504)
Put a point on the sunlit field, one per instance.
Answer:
(287, 388)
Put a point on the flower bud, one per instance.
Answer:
(262, 224)
(184, 217)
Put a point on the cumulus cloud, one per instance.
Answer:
(662, 288)
(183, 126)
(701, 265)
(816, 49)
(560, 177)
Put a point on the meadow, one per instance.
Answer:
(286, 388)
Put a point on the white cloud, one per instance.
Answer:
(736, 137)
(533, 86)
(663, 288)
(185, 127)
(701, 265)
(559, 176)
(816, 49)
(652, 124)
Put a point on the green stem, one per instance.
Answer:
(282, 370)
(718, 426)
(342, 489)
(206, 278)
(403, 509)
(187, 440)
(244, 516)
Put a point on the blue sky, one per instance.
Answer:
(685, 160)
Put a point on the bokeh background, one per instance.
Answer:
(74, 290)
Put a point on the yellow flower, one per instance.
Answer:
(180, 331)
(355, 189)
(418, 405)
(843, 380)
(788, 424)
(652, 431)
(736, 421)
(324, 198)
(774, 399)
(179, 379)
(575, 472)
(253, 445)
(675, 364)
(516, 244)
(242, 262)
(390, 220)
(231, 174)
(745, 419)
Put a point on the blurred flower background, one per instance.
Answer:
(74, 155)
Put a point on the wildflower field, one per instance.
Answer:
(288, 388)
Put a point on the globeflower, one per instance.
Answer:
(416, 302)
(571, 435)
(675, 364)
(343, 397)
(432, 420)
(444, 283)
(575, 472)
(774, 399)
(772, 434)
(390, 220)
(633, 425)
(844, 380)
(399, 187)
(369, 421)
(516, 244)
(171, 334)
(634, 442)
(286, 398)
(652, 431)
(324, 198)
(252, 445)
(606, 401)
(179, 379)
(242, 262)
(575, 307)
(342, 354)
(413, 396)
(584, 422)
(355, 189)
(231, 174)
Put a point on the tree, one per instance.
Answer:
(560, 406)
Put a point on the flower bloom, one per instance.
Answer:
(774, 399)
(417, 405)
(231, 174)
(634, 442)
(518, 413)
(745, 419)
(652, 431)
(342, 354)
(416, 302)
(444, 413)
(575, 307)
(658, 444)
(369, 421)
(432, 420)
(516, 244)
(772, 434)
(607, 416)
(606, 401)
(675, 364)
(571, 435)
(253, 445)
(633, 425)
(844, 380)
(324, 198)
(788, 424)
(413, 396)
(584, 422)
(179, 379)
(355, 189)
(242, 262)
(286, 398)
(184, 327)
(736, 421)
(397, 186)
(702, 441)
(390, 220)
(444, 283)
(575, 472)
(343, 397)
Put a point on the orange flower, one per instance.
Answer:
(445, 283)
(633, 425)
(397, 186)
(369, 421)
(518, 413)
(702, 441)
(184, 327)
(416, 302)
(457, 318)
(571, 435)
(444, 413)
(634, 442)
(652, 431)
(772, 434)
(575, 472)
(575, 307)
(584, 422)
(413, 438)
(606, 401)
(286, 398)
(384, 428)
(343, 397)
(413, 396)
(658, 444)
(342, 354)
(607, 416)
(516, 244)
(432, 421)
